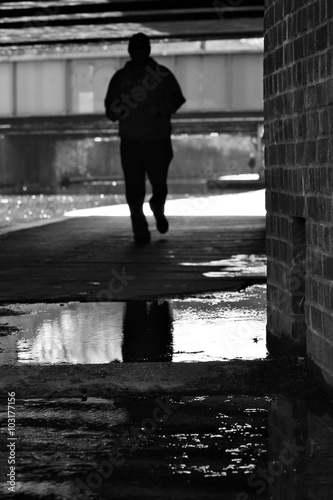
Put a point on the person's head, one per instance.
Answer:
(139, 48)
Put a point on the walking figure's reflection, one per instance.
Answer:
(147, 329)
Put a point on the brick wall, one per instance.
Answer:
(300, 457)
(298, 91)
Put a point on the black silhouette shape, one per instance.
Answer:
(142, 96)
(147, 329)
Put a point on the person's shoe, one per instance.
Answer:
(162, 224)
(142, 238)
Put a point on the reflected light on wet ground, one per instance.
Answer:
(31, 208)
(243, 265)
(251, 203)
(219, 326)
(276, 447)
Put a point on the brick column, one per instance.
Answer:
(298, 92)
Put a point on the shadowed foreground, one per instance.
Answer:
(236, 430)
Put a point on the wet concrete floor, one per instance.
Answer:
(106, 427)
(277, 446)
(94, 259)
(206, 327)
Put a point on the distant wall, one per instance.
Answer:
(52, 112)
(65, 86)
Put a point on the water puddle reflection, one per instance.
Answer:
(240, 265)
(219, 326)
(275, 447)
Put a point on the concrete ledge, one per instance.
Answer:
(259, 377)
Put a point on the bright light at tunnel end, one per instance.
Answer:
(241, 204)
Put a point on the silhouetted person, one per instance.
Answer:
(142, 96)
(147, 329)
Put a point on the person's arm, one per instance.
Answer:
(171, 98)
(174, 98)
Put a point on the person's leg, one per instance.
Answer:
(157, 157)
(134, 175)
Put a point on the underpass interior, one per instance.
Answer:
(144, 373)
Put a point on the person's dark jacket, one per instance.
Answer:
(143, 101)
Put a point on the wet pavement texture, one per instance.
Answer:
(193, 447)
(94, 259)
(80, 308)
(210, 327)
(251, 377)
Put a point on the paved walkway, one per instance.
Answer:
(151, 430)
(94, 258)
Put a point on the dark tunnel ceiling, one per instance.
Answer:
(85, 21)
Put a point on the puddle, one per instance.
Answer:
(242, 265)
(209, 327)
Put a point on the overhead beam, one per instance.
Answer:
(62, 7)
(50, 23)
(256, 33)
(132, 17)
